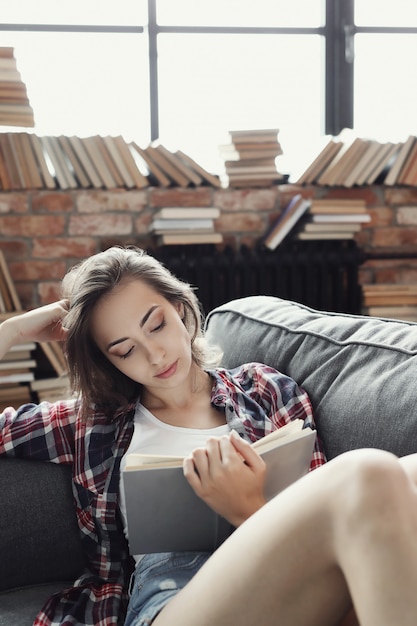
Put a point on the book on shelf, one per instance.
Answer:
(387, 159)
(84, 158)
(343, 163)
(363, 163)
(192, 176)
(174, 239)
(55, 356)
(62, 172)
(312, 227)
(35, 179)
(140, 181)
(389, 295)
(96, 157)
(163, 512)
(20, 377)
(117, 179)
(46, 175)
(51, 389)
(254, 135)
(14, 394)
(7, 287)
(361, 218)
(75, 164)
(187, 213)
(20, 351)
(408, 173)
(334, 206)
(14, 162)
(206, 176)
(402, 155)
(181, 224)
(18, 364)
(320, 162)
(319, 235)
(155, 173)
(124, 172)
(286, 221)
(403, 312)
(166, 166)
(5, 180)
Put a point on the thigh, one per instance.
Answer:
(156, 580)
(278, 567)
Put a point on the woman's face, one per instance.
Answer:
(143, 335)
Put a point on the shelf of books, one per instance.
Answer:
(31, 162)
(348, 161)
(19, 366)
(390, 301)
(317, 219)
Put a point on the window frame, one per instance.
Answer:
(338, 31)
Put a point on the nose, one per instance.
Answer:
(155, 352)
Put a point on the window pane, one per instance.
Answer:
(385, 97)
(126, 12)
(377, 13)
(212, 84)
(307, 13)
(85, 84)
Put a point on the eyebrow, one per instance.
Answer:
(142, 323)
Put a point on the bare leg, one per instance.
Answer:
(347, 530)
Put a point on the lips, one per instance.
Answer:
(170, 371)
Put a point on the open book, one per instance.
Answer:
(163, 512)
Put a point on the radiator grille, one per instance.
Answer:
(320, 274)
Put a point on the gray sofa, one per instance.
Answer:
(361, 376)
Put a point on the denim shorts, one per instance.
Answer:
(157, 579)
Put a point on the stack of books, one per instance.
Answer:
(185, 225)
(333, 219)
(56, 387)
(390, 301)
(15, 109)
(18, 375)
(355, 161)
(17, 366)
(16, 372)
(250, 158)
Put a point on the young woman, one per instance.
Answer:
(140, 370)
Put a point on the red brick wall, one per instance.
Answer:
(44, 233)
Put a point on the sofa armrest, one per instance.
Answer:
(39, 536)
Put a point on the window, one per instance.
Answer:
(188, 71)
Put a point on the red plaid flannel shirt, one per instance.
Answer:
(256, 399)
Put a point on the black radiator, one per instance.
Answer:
(320, 274)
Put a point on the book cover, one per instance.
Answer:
(163, 512)
(176, 239)
(182, 224)
(280, 229)
(187, 212)
(341, 217)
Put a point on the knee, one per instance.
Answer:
(373, 487)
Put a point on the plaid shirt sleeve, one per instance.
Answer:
(45, 431)
(266, 400)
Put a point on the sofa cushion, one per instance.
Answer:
(19, 607)
(360, 372)
(38, 528)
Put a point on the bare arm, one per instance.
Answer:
(42, 324)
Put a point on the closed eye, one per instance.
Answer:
(125, 356)
(159, 327)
